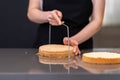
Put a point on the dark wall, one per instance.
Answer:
(16, 31)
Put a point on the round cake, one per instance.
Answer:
(56, 51)
(101, 57)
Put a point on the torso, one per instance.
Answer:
(75, 14)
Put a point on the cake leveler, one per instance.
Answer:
(67, 30)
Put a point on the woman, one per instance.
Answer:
(84, 18)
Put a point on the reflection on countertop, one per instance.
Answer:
(77, 63)
(22, 64)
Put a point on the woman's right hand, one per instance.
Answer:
(55, 17)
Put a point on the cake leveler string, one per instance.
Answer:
(67, 29)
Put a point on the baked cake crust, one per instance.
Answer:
(101, 58)
(55, 51)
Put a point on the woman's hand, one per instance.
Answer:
(73, 43)
(55, 17)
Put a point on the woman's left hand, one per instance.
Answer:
(73, 43)
(55, 17)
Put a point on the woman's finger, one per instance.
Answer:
(76, 50)
(56, 16)
(59, 14)
(52, 22)
(65, 41)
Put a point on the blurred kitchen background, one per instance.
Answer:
(109, 35)
(16, 31)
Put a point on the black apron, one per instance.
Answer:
(75, 14)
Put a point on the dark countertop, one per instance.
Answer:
(23, 64)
